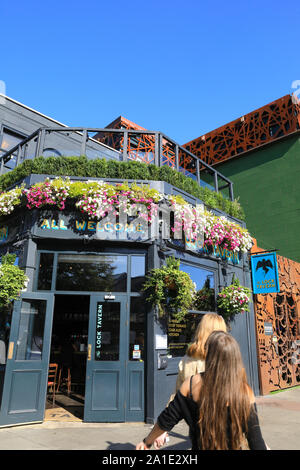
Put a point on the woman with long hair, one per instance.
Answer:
(194, 360)
(218, 405)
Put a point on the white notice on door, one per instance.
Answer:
(161, 342)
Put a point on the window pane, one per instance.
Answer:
(10, 139)
(51, 153)
(137, 329)
(92, 273)
(137, 273)
(205, 286)
(107, 340)
(31, 330)
(11, 164)
(45, 271)
(5, 322)
(181, 334)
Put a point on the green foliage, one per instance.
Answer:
(12, 280)
(131, 170)
(78, 189)
(205, 298)
(9, 258)
(233, 299)
(170, 290)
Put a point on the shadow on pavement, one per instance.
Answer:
(119, 446)
(184, 444)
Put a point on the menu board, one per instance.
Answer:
(181, 333)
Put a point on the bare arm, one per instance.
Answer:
(149, 440)
(173, 414)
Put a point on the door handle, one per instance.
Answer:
(89, 356)
(10, 350)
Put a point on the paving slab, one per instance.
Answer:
(279, 416)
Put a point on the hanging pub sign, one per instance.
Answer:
(265, 278)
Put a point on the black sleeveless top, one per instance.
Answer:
(184, 407)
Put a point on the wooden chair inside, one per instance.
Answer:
(64, 381)
(52, 380)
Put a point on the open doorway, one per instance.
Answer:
(69, 352)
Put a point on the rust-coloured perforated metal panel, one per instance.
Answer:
(266, 124)
(278, 330)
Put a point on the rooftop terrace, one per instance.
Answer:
(121, 144)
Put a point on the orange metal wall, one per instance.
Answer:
(268, 123)
(141, 147)
(278, 354)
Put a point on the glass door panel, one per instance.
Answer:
(29, 345)
(26, 375)
(107, 342)
(106, 361)
(115, 367)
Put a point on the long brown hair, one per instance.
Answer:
(224, 396)
(209, 323)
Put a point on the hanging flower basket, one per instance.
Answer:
(170, 290)
(233, 300)
(170, 283)
(13, 280)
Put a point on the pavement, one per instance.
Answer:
(279, 416)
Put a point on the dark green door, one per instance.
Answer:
(26, 375)
(114, 384)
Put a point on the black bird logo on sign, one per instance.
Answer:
(265, 264)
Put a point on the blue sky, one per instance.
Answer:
(180, 67)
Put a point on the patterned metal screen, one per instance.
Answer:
(278, 330)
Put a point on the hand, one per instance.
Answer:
(141, 446)
(160, 441)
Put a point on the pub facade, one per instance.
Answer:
(86, 277)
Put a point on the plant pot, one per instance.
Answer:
(170, 284)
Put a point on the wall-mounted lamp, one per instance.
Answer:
(109, 297)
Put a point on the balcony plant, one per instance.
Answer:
(233, 299)
(10, 199)
(53, 193)
(96, 199)
(100, 198)
(170, 290)
(102, 168)
(218, 230)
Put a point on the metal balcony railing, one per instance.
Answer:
(118, 144)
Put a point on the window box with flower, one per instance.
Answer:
(96, 199)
